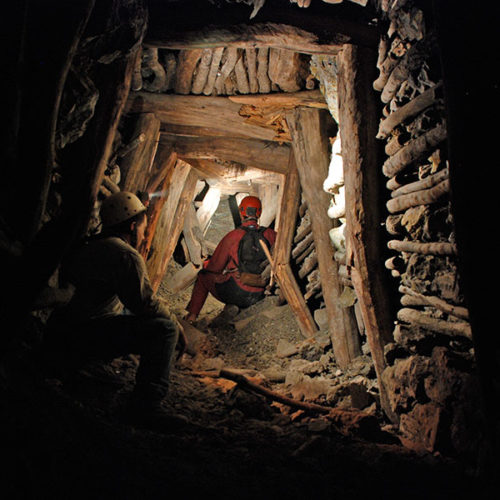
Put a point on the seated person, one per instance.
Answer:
(109, 274)
(225, 275)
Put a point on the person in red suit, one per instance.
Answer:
(221, 274)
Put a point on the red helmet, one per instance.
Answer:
(250, 206)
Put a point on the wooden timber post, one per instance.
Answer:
(158, 185)
(358, 129)
(171, 221)
(282, 250)
(137, 164)
(310, 146)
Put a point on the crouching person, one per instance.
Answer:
(232, 274)
(113, 311)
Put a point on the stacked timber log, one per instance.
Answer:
(222, 71)
(304, 256)
(432, 325)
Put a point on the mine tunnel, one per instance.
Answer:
(369, 368)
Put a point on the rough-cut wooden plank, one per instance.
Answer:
(200, 77)
(225, 173)
(251, 62)
(262, 69)
(310, 264)
(197, 111)
(268, 194)
(157, 187)
(188, 131)
(184, 200)
(242, 36)
(241, 76)
(214, 68)
(136, 165)
(285, 68)
(183, 278)
(193, 236)
(357, 115)
(210, 203)
(311, 150)
(303, 244)
(164, 227)
(308, 98)
(253, 152)
(228, 61)
(186, 64)
(282, 249)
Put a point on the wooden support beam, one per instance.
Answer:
(136, 165)
(228, 61)
(282, 250)
(311, 150)
(251, 63)
(358, 112)
(200, 78)
(193, 236)
(186, 64)
(233, 173)
(243, 37)
(209, 205)
(157, 186)
(307, 98)
(214, 69)
(262, 70)
(170, 221)
(318, 29)
(268, 194)
(266, 155)
(188, 131)
(286, 69)
(217, 113)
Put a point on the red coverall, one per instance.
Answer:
(220, 276)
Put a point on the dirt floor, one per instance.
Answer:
(70, 440)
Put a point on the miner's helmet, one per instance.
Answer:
(120, 207)
(250, 207)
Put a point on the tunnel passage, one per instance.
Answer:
(165, 129)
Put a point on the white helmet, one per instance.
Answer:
(120, 207)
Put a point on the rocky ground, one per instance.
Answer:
(72, 439)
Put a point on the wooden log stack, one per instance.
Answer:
(419, 219)
(414, 130)
(222, 71)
